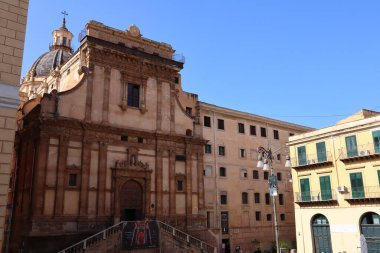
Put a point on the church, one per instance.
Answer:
(107, 134)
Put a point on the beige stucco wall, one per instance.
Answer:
(13, 16)
(343, 216)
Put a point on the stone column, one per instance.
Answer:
(159, 207)
(172, 188)
(172, 107)
(39, 175)
(159, 104)
(107, 78)
(86, 158)
(61, 173)
(200, 166)
(102, 173)
(188, 186)
(90, 79)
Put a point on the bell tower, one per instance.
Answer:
(62, 37)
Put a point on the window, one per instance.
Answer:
(244, 198)
(305, 189)
(179, 185)
(124, 137)
(252, 130)
(351, 146)
(325, 186)
(224, 222)
(223, 198)
(222, 172)
(281, 199)
(378, 176)
(279, 176)
(242, 153)
(176, 79)
(258, 215)
(291, 134)
(256, 174)
(276, 136)
(357, 188)
(321, 152)
(376, 141)
(58, 40)
(208, 149)
(301, 151)
(266, 175)
(140, 140)
(269, 217)
(208, 171)
(208, 214)
(189, 111)
(263, 131)
(72, 179)
(180, 158)
(222, 151)
(221, 124)
(267, 199)
(282, 217)
(133, 95)
(207, 121)
(278, 157)
(241, 128)
(243, 173)
(257, 197)
(64, 41)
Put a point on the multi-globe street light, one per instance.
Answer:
(264, 161)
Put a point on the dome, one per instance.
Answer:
(48, 62)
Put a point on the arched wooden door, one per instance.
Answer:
(131, 201)
(321, 234)
(370, 228)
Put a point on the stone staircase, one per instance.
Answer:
(171, 239)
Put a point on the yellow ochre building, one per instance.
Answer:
(336, 177)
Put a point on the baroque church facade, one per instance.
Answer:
(106, 134)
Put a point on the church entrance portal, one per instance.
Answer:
(131, 201)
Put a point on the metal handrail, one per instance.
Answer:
(186, 237)
(104, 234)
(94, 239)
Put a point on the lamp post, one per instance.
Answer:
(264, 161)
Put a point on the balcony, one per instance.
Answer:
(315, 198)
(369, 194)
(312, 160)
(363, 152)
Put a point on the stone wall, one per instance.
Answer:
(13, 14)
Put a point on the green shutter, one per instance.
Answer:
(376, 141)
(357, 188)
(352, 149)
(378, 176)
(305, 189)
(325, 185)
(301, 155)
(321, 152)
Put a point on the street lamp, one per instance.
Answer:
(265, 160)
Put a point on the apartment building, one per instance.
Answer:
(336, 177)
(237, 201)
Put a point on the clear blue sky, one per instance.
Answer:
(307, 62)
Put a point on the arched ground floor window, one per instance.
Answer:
(321, 234)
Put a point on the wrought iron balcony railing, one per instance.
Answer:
(315, 196)
(357, 193)
(363, 151)
(312, 160)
